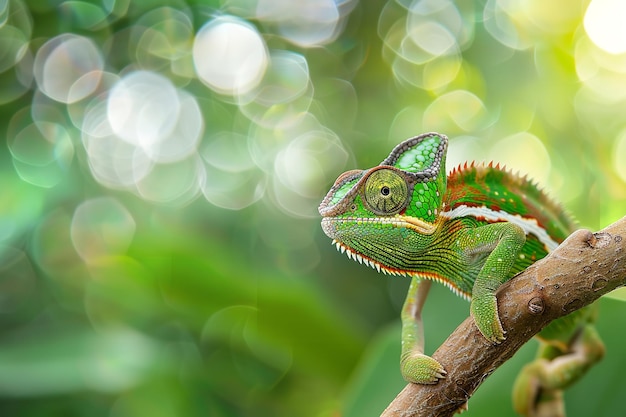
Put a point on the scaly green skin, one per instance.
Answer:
(472, 231)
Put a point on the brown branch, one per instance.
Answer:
(583, 268)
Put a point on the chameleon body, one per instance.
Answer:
(471, 230)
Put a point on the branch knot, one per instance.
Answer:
(536, 305)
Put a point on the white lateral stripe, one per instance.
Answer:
(528, 225)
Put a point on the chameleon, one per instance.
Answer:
(471, 230)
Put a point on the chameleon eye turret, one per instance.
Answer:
(386, 191)
(471, 230)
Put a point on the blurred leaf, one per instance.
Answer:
(377, 380)
(618, 294)
(46, 362)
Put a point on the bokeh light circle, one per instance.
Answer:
(233, 180)
(526, 152)
(284, 93)
(42, 151)
(305, 23)
(501, 20)
(303, 167)
(176, 183)
(143, 108)
(164, 37)
(101, 227)
(458, 111)
(229, 55)
(423, 41)
(604, 23)
(68, 68)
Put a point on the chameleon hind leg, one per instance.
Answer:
(538, 390)
(415, 366)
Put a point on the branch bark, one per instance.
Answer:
(582, 269)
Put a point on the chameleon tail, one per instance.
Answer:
(538, 390)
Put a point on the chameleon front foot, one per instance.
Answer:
(484, 310)
(421, 369)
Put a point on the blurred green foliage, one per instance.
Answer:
(159, 240)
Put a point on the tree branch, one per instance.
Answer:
(582, 269)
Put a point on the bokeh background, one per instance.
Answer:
(162, 164)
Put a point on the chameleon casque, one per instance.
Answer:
(471, 230)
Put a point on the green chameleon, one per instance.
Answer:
(472, 231)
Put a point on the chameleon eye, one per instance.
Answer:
(386, 191)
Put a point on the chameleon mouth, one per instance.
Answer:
(328, 226)
(420, 226)
(364, 260)
(412, 223)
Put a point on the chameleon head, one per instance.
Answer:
(393, 205)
